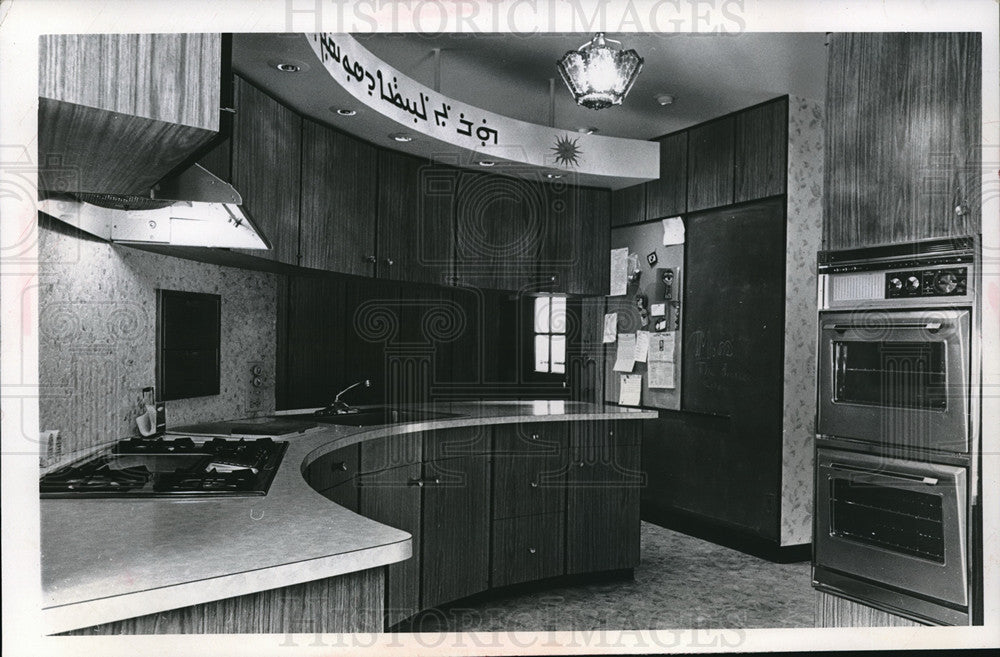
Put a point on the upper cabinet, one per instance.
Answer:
(903, 137)
(117, 113)
(710, 164)
(628, 205)
(760, 151)
(667, 196)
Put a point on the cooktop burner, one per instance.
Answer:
(165, 467)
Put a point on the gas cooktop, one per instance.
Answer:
(168, 467)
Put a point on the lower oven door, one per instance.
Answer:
(894, 522)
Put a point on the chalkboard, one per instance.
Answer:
(733, 332)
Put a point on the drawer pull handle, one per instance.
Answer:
(417, 481)
(580, 464)
(339, 465)
(531, 550)
(534, 436)
(534, 484)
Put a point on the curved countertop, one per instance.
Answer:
(110, 559)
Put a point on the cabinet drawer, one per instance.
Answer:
(345, 494)
(451, 443)
(528, 484)
(529, 438)
(606, 433)
(333, 469)
(527, 548)
(390, 452)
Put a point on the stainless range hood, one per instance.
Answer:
(193, 208)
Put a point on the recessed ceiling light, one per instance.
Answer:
(288, 67)
(486, 163)
(343, 111)
(401, 137)
(553, 176)
(587, 130)
(664, 99)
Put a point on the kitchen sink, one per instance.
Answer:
(371, 416)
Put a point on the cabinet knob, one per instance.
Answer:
(338, 465)
(580, 464)
(370, 259)
(531, 550)
(416, 481)
(534, 484)
(534, 436)
(229, 110)
(961, 209)
(389, 262)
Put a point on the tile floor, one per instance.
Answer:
(681, 582)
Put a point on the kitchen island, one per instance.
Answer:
(107, 560)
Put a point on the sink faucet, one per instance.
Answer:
(338, 407)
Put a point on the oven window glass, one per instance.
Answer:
(896, 519)
(891, 374)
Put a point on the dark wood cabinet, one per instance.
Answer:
(667, 196)
(456, 529)
(761, 151)
(529, 469)
(415, 223)
(710, 164)
(333, 469)
(628, 205)
(527, 548)
(903, 137)
(339, 199)
(266, 152)
(573, 255)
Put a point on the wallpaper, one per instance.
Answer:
(97, 335)
(804, 232)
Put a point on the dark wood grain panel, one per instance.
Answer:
(333, 468)
(529, 468)
(834, 611)
(390, 497)
(589, 269)
(316, 345)
(346, 603)
(175, 78)
(710, 164)
(266, 154)
(390, 452)
(82, 149)
(667, 196)
(339, 199)
(527, 549)
(415, 222)
(585, 355)
(456, 527)
(761, 151)
(903, 137)
(628, 205)
(442, 444)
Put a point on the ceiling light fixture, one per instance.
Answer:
(486, 163)
(587, 130)
(286, 67)
(598, 74)
(401, 137)
(343, 111)
(664, 99)
(553, 176)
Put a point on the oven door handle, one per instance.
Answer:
(930, 481)
(924, 326)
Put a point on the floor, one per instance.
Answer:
(681, 582)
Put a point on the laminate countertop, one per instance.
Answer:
(110, 559)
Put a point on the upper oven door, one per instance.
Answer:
(896, 378)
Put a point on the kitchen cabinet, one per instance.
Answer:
(710, 164)
(339, 200)
(529, 469)
(667, 196)
(760, 151)
(903, 138)
(573, 256)
(118, 112)
(527, 548)
(333, 469)
(628, 205)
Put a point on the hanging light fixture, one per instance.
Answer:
(598, 74)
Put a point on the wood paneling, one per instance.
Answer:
(527, 548)
(529, 469)
(175, 78)
(903, 137)
(316, 343)
(761, 151)
(333, 468)
(590, 268)
(710, 164)
(667, 196)
(628, 205)
(456, 527)
(339, 199)
(346, 603)
(390, 497)
(391, 452)
(834, 611)
(266, 154)
(415, 221)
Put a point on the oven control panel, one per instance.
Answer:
(938, 282)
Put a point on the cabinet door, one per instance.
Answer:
(265, 166)
(710, 165)
(416, 228)
(499, 231)
(456, 529)
(667, 196)
(903, 138)
(529, 469)
(337, 226)
(628, 205)
(333, 468)
(527, 549)
(390, 452)
(602, 508)
(761, 151)
(574, 253)
(393, 497)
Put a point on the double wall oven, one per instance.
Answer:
(896, 516)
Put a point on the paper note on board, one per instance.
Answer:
(661, 374)
(673, 231)
(661, 347)
(619, 272)
(641, 346)
(630, 392)
(625, 360)
(610, 327)
(658, 309)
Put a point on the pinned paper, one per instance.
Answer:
(625, 360)
(673, 231)
(630, 392)
(661, 374)
(641, 346)
(619, 272)
(658, 309)
(610, 327)
(661, 348)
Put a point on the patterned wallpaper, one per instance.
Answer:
(804, 232)
(97, 335)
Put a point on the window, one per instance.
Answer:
(550, 334)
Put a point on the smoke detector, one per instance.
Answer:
(664, 99)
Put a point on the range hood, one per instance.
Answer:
(193, 208)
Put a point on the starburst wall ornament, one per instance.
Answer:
(567, 153)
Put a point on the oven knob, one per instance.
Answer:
(946, 282)
(913, 283)
(895, 283)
